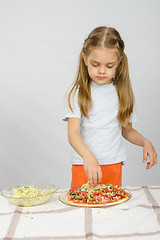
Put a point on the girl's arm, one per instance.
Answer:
(135, 137)
(91, 166)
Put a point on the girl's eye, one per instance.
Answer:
(96, 65)
(110, 66)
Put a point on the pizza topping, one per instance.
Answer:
(100, 194)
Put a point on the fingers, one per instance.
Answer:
(153, 160)
(145, 157)
(94, 176)
(91, 177)
(156, 158)
(99, 175)
(148, 150)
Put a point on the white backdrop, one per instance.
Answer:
(40, 41)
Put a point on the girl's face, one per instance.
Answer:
(102, 64)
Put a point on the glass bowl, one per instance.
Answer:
(27, 195)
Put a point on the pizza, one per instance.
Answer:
(100, 195)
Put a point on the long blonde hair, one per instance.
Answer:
(110, 38)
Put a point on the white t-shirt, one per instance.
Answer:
(102, 131)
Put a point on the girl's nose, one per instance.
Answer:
(102, 70)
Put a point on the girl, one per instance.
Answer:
(100, 111)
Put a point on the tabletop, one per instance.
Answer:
(137, 218)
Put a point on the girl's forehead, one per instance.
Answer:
(103, 55)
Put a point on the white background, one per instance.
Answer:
(40, 42)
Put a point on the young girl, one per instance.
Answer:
(101, 110)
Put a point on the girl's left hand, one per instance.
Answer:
(148, 150)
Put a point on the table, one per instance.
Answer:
(138, 218)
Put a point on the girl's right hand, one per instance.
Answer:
(93, 170)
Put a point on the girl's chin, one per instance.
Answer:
(102, 82)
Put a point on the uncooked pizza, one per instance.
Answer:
(100, 195)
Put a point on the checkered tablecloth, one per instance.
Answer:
(138, 218)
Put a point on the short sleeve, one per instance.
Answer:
(75, 107)
(133, 117)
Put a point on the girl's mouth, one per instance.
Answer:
(101, 78)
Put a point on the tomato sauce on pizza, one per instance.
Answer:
(100, 195)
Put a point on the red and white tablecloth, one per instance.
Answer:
(138, 218)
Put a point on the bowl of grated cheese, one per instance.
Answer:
(24, 195)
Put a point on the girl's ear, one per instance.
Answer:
(84, 58)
